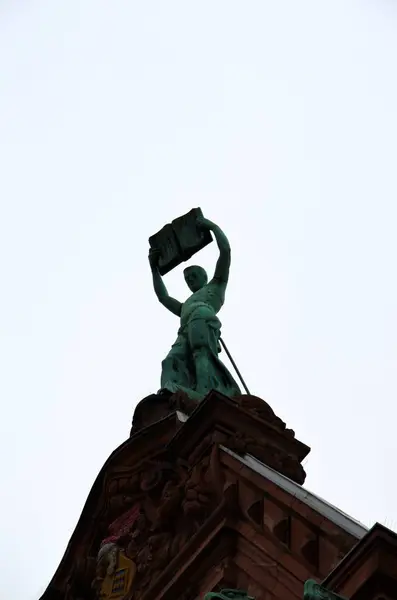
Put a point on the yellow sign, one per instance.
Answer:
(119, 584)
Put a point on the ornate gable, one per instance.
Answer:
(179, 510)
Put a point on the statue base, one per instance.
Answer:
(247, 425)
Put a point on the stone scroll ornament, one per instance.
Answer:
(193, 365)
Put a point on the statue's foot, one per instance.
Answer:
(164, 392)
(171, 386)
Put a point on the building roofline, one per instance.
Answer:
(376, 534)
(334, 514)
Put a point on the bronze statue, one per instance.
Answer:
(193, 365)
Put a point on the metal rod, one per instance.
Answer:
(234, 365)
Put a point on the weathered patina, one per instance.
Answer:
(193, 365)
(315, 591)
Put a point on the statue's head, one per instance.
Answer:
(195, 277)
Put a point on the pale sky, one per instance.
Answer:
(277, 118)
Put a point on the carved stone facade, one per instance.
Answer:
(198, 499)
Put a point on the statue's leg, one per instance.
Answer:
(174, 367)
(201, 352)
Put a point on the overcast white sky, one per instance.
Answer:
(279, 120)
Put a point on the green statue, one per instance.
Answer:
(315, 591)
(192, 365)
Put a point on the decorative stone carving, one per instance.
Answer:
(120, 574)
(260, 408)
(175, 500)
(271, 455)
(107, 559)
(188, 502)
(111, 553)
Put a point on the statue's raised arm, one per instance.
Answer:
(223, 263)
(159, 287)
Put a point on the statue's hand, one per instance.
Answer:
(204, 224)
(154, 256)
